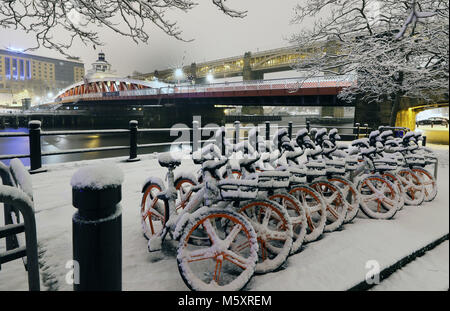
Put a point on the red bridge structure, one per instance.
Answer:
(295, 91)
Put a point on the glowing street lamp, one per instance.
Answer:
(209, 77)
(179, 74)
(50, 95)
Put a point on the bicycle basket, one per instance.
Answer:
(273, 180)
(237, 189)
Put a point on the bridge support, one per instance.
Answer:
(247, 73)
(407, 118)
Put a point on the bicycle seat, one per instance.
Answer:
(248, 161)
(369, 152)
(386, 135)
(168, 160)
(294, 154)
(333, 135)
(213, 165)
(362, 142)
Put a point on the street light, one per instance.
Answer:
(210, 77)
(179, 73)
(50, 95)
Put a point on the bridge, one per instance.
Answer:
(251, 66)
(321, 91)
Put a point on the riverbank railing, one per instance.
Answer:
(195, 138)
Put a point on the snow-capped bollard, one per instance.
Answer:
(267, 130)
(133, 141)
(97, 228)
(34, 128)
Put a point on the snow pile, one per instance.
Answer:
(97, 177)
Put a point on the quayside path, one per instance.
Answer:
(335, 262)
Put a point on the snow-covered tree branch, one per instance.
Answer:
(395, 48)
(51, 20)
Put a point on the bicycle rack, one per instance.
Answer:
(18, 202)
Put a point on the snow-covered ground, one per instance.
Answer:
(429, 272)
(336, 262)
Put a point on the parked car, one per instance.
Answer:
(434, 121)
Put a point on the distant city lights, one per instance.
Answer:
(50, 95)
(16, 50)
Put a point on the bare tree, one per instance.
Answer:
(80, 19)
(394, 48)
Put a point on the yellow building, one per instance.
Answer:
(30, 76)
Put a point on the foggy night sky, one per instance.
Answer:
(267, 26)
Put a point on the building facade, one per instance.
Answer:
(29, 76)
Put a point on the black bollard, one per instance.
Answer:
(267, 130)
(257, 139)
(34, 128)
(133, 141)
(97, 231)
(222, 139)
(308, 126)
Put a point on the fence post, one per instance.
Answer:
(290, 129)
(237, 130)
(257, 138)
(222, 138)
(267, 130)
(34, 128)
(133, 141)
(424, 141)
(367, 129)
(308, 126)
(194, 138)
(97, 229)
(358, 129)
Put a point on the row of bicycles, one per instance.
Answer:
(250, 205)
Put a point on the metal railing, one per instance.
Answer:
(36, 153)
(17, 201)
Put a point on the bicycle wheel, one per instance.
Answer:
(378, 197)
(154, 211)
(224, 261)
(274, 231)
(429, 183)
(315, 211)
(296, 214)
(183, 185)
(336, 209)
(414, 193)
(350, 194)
(398, 185)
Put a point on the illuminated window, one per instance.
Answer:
(22, 69)
(14, 67)
(8, 68)
(28, 70)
